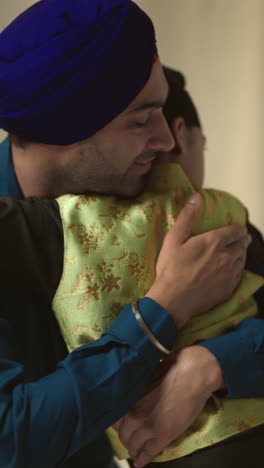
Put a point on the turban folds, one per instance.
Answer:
(69, 67)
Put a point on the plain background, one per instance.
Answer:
(219, 45)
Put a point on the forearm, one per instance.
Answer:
(211, 375)
(44, 422)
(240, 355)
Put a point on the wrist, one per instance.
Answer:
(209, 368)
(159, 294)
(147, 330)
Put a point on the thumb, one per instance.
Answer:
(117, 424)
(182, 228)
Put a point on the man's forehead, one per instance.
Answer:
(153, 95)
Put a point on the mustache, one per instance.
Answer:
(147, 157)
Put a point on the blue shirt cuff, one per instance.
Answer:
(160, 322)
(240, 354)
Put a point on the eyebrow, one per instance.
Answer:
(148, 105)
(155, 104)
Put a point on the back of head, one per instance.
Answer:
(69, 67)
(179, 102)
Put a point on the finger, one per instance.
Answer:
(239, 267)
(149, 451)
(228, 235)
(117, 424)
(237, 250)
(182, 228)
(138, 440)
(232, 262)
(249, 239)
(128, 427)
(245, 241)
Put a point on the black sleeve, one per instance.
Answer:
(31, 243)
(255, 254)
(255, 263)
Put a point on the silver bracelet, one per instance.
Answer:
(146, 329)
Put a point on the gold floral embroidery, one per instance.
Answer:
(229, 218)
(170, 221)
(84, 201)
(116, 213)
(116, 240)
(90, 237)
(243, 426)
(81, 331)
(115, 310)
(98, 330)
(146, 209)
(83, 279)
(116, 307)
(108, 279)
(70, 260)
(91, 294)
(110, 282)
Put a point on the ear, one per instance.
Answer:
(179, 132)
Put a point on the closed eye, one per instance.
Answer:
(142, 124)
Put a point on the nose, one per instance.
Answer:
(161, 138)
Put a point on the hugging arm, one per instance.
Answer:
(233, 362)
(44, 422)
(102, 380)
(240, 353)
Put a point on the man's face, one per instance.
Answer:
(188, 151)
(192, 158)
(117, 158)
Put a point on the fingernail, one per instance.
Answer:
(195, 199)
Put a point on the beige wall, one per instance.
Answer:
(219, 45)
(9, 9)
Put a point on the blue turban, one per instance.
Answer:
(69, 67)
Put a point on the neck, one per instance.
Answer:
(33, 171)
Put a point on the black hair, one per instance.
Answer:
(179, 103)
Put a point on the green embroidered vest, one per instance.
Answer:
(111, 247)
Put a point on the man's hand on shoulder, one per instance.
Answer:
(171, 405)
(194, 274)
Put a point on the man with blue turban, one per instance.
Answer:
(81, 96)
(60, 65)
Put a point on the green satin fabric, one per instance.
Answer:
(111, 247)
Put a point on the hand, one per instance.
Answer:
(175, 400)
(194, 274)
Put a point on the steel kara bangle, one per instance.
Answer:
(146, 329)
